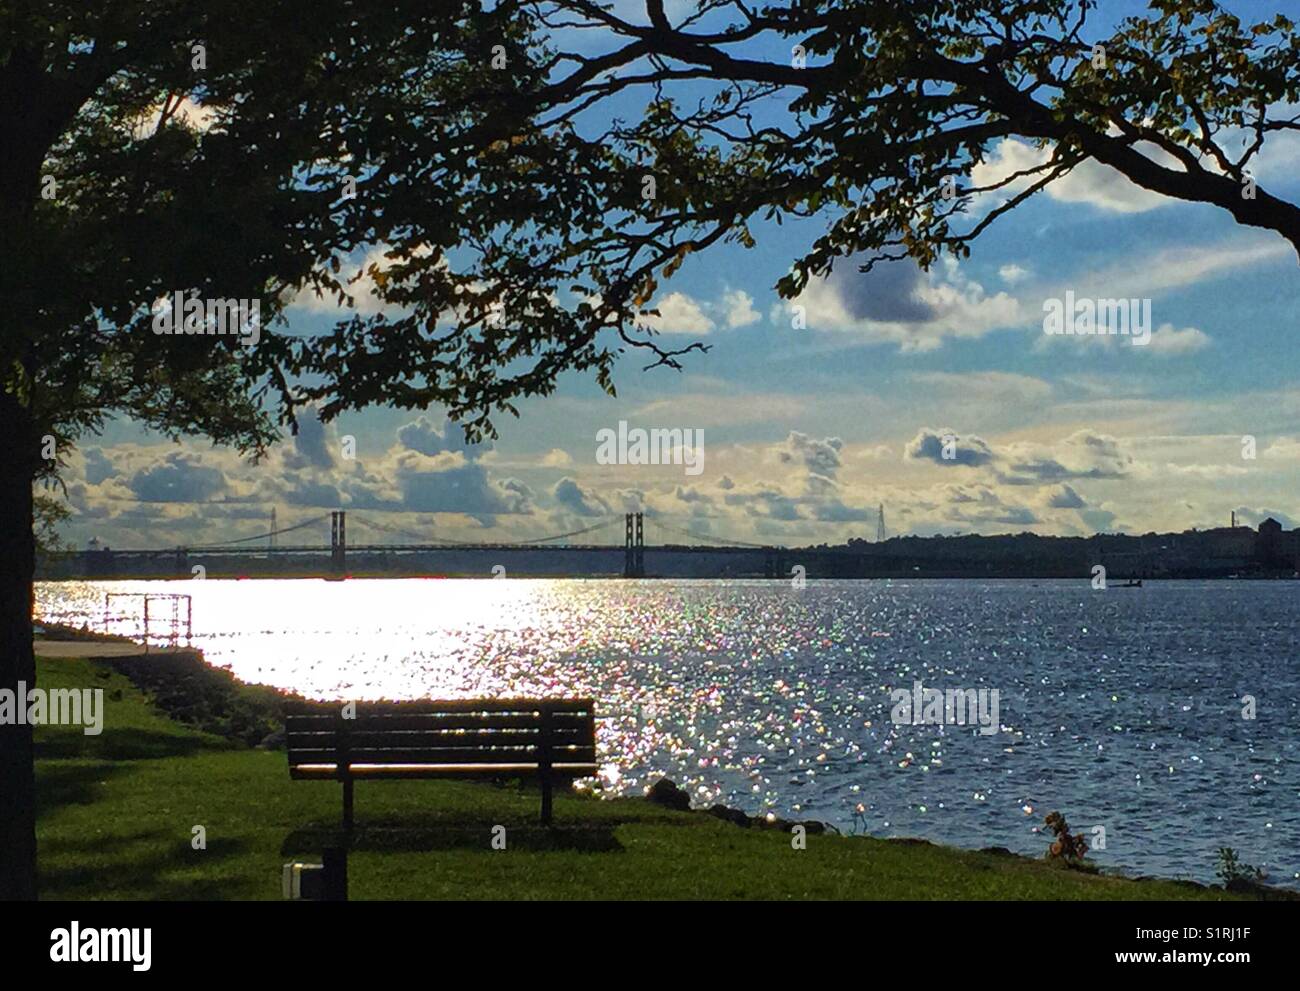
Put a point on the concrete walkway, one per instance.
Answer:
(98, 648)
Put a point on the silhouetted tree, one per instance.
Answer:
(148, 148)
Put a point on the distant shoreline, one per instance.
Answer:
(478, 575)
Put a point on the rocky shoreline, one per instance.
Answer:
(665, 792)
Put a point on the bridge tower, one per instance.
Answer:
(880, 525)
(271, 546)
(640, 547)
(633, 546)
(338, 540)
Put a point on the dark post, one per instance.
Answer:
(334, 860)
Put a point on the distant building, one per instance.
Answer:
(1230, 542)
(1275, 548)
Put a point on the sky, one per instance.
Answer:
(809, 426)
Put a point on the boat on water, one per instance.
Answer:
(1131, 583)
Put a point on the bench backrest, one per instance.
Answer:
(556, 733)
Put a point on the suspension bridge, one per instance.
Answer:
(401, 541)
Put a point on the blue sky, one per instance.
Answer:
(807, 430)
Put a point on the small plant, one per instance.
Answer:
(1231, 869)
(859, 819)
(1067, 847)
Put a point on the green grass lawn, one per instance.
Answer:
(118, 811)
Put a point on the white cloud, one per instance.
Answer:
(1011, 274)
(740, 309)
(896, 302)
(358, 281)
(1169, 341)
(556, 458)
(1085, 454)
(1284, 448)
(678, 314)
(1089, 182)
(1174, 268)
(362, 290)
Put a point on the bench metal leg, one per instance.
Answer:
(546, 799)
(347, 806)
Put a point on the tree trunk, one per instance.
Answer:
(19, 450)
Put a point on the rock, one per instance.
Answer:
(272, 741)
(666, 793)
(1264, 892)
(727, 814)
(812, 826)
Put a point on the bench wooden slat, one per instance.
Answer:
(418, 738)
(322, 722)
(409, 727)
(452, 706)
(430, 758)
(312, 772)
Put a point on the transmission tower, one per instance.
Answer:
(880, 525)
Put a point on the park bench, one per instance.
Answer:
(546, 739)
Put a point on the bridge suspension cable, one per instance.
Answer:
(726, 541)
(260, 536)
(411, 534)
(438, 539)
(572, 533)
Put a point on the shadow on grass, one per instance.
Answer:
(121, 744)
(60, 785)
(382, 837)
(77, 870)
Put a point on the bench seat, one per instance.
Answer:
(546, 739)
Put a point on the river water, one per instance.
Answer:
(1125, 709)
